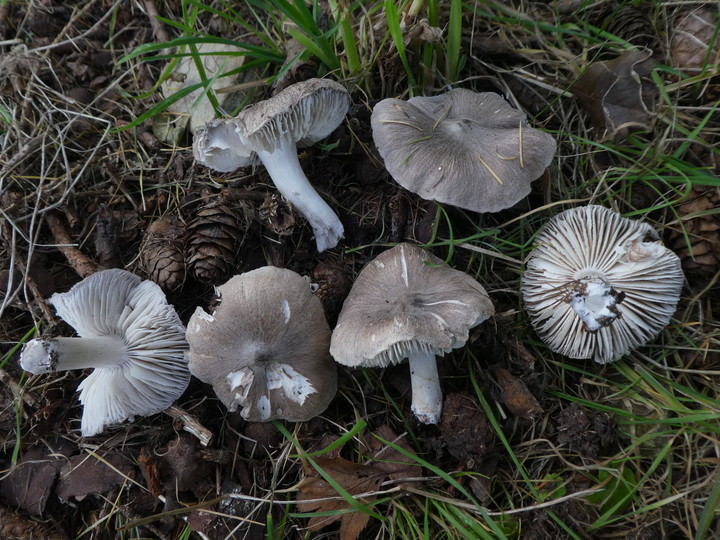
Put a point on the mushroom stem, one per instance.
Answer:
(426, 391)
(595, 302)
(66, 353)
(284, 168)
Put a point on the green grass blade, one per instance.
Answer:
(393, 23)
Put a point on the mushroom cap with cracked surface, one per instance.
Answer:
(265, 347)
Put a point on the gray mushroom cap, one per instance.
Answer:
(598, 285)
(132, 338)
(265, 348)
(305, 112)
(471, 150)
(404, 301)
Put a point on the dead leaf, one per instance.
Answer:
(356, 479)
(87, 474)
(516, 396)
(617, 94)
(694, 31)
(30, 482)
(398, 465)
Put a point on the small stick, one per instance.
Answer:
(157, 28)
(80, 262)
(190, 424)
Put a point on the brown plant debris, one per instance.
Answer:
(80, 262)
(29, 484)
(88, 474)
(617, 94)
(355, 478)
(162, 255)
(465, 428)
(693, 33)
(15, 527)
(698, 246)
(584, 432)
(515, 395)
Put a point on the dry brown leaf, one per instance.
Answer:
(516, 395)
(356, 479)
(693, 33)
(617, 95)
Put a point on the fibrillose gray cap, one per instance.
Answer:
(407, 300)
(598, 285)
(471, 150)
(265, 349)
(306, 112)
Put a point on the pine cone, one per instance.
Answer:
(214, 237)
(701, 258)
(162, 253)
(633, 23)
(334, 285)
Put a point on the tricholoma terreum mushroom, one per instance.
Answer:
(265, 347)
(468, 149)
(407, 303)
(129, 334)
(271, 131)
(599, 285)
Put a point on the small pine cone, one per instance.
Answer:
(633, 23)
(277, 214)
(162, 256)
(214, 237)
(700, 259)
(334, 285)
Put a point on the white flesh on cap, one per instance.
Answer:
(284, 168)
(426, 390)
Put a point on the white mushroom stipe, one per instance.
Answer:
(595, 302)
(426, 391)
(66, 353)
(284, 168)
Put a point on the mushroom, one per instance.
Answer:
(271, 131)
(598, 285)
(131, 336)
(467, 149)
(265, 347)
(407, 303)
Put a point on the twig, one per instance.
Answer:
(190, 424)
(157, 28)
(80, 262)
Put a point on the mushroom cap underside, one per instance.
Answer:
(593, 242)
(305, 113)
(153, 372)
